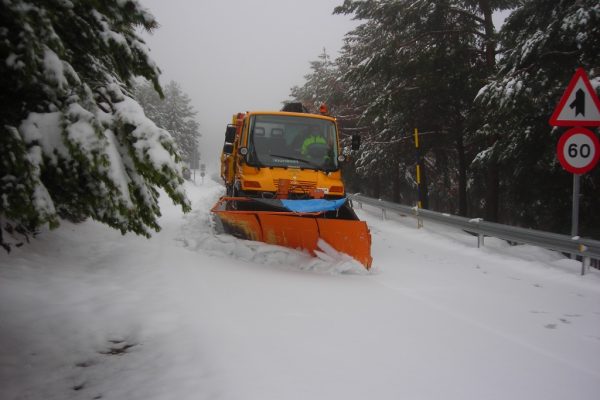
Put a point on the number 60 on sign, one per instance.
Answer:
(578, 150)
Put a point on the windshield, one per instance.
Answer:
(287, 141)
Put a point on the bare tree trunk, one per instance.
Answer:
(396, 185)
(492, 193)
(462, 172)
(493, 174)
(377, 187)
(490, 42)
(424, 189)
(396, 177)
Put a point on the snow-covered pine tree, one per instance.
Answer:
(319, 84)
(418, 65)
(74, 144)
(543, 42)
(174, 113)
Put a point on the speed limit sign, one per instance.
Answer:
(578, 150)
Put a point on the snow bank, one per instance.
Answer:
(86, 313)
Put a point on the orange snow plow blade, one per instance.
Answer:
(297, 230)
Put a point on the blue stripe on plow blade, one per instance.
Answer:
(313, 205)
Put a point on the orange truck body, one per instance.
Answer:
(263, 158)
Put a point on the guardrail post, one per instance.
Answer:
(585, 264)
(419, 220)
(480, 240)
(383, 214)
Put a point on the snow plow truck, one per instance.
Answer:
(284, 185)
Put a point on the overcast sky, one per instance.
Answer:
(236, 55)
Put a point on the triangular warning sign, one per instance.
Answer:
(579, 105)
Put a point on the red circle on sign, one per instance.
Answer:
(578, 144)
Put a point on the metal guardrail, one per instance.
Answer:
(586, 248)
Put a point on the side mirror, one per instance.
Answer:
(230, 134)
(355, 142)
(228, 148)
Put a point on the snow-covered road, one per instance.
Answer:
(86, 313)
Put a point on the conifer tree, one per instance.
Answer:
(419, 65)
(173, 113)
(319, 86)
(543, 42)
(74, 144)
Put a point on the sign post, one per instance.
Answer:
(578, 149)
(575, 207)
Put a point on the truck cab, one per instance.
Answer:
(282, 154)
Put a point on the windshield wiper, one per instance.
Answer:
(312, 164)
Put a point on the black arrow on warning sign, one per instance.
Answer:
(579, 103)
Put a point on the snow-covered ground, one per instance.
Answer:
(86, 313)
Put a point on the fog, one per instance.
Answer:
(232, 55)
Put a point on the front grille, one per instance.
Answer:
(298, 186)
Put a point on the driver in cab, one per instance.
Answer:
(315, 146)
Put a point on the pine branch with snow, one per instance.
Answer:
(74, 142)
